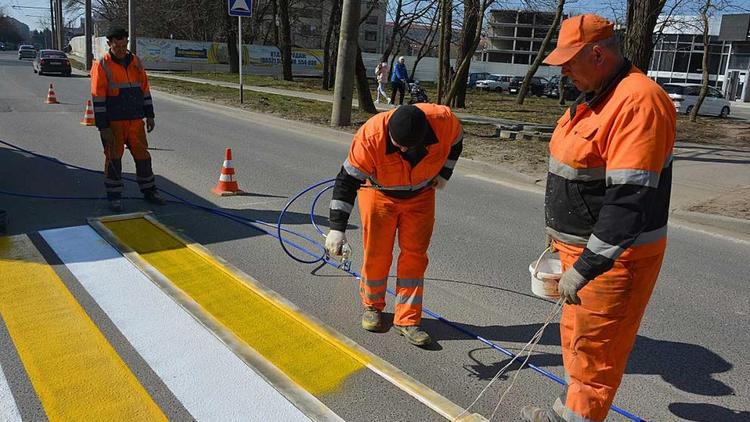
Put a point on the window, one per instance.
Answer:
(696, 63)
(372, 20)
(665, 63)
(681, 61)
(371, 36)
(715, 93)
(524, 32)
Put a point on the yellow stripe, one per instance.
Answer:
(76, 373)
(317, 362)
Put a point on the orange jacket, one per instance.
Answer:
(120, 90)
(375, 162)
(610, 173)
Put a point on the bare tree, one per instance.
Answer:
(541, 53)
(706, 10)
(333, 21)
(641, 21)
(285, 40)
(444, 49)
(364, 97)
(428, 43)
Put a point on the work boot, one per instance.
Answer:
(413, 334)
(372, 319)
(536, 414)
(154, 198)
(115, 205)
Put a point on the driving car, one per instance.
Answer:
(536, 85)
(51, 61)
(685, 96)
(26, 51)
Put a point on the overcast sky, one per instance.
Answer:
(602, 7)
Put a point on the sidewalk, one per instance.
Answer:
(702, 173)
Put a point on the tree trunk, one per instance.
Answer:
(462, 65)
(642, 16)
(467, 48)
(231, 34)
(286, 40)
(332, 22)
(445, 5)
(704, 86)
(363, 86)
(541, 54)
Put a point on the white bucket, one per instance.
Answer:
(545, 274)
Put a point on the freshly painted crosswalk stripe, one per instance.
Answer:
(209, 380)
(75, 372)
(8, 408)
(314, 360)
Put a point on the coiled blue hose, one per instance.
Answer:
(277, 233)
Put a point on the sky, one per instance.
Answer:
(602, 7)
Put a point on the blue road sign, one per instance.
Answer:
(240, 7)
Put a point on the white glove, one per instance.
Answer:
(439, 182)
(334, 241)
(570, 283)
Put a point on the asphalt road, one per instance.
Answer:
(691, 354)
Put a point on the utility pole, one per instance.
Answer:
(131, 26)
(345, 62)
(52, 24)
(87, 33)
(60, 24)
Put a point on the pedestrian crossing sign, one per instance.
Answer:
(240, 7)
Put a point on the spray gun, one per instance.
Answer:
(346, 254)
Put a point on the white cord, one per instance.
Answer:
(532, 343)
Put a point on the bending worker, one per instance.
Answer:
(396, 161)
(606, 209)
(121, 97)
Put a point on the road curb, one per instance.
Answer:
(730, 227)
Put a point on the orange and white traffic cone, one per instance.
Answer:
(88, 115)
(51, 98)
(227, 185)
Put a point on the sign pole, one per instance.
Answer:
(239, 20)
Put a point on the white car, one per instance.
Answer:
(497, 83)
(685, 96)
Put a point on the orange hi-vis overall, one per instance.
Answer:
(396, 197)
(121, 98)
(606, 207)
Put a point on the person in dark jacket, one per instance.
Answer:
(399, 81)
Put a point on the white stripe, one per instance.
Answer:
(208, 379)
(8, 410)
(225, 178)
(227, 164)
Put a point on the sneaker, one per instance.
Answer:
(413, 334)
(536, 414)
(154, 198)
(115, 205)
(372, 319)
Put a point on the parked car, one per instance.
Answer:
(51, 61)
(474, 77)
(552, 89)
(536, 86)
(26, 51)
(685, 96)
(497, 83)
(2, 46)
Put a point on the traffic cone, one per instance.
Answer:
(227, 185)
(88, 115)
(51, 98)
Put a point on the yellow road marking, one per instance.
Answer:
(316, 362)
(74, 370)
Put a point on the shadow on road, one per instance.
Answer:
(705, 412)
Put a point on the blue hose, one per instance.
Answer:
(277, 233)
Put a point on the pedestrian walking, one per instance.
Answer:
(121, 98)
(397, 160)
(606, 210)
(381, 76)
(399, 80)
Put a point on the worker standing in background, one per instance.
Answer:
(121, 98)
(396, 161)
(606, 210)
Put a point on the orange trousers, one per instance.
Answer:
(598, 335)
(382, 217)
(133, 134)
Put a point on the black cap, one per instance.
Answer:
(117, 32)
(408, 126)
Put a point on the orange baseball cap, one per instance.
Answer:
(575, 33)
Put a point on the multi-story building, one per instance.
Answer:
(515, 36)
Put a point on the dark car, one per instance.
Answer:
(26, 51)
(552, 89)
(474, 77)
(51, 61)
(536, 85)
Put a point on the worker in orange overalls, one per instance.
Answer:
(121, 97)
(396, 161)
(606, 209)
